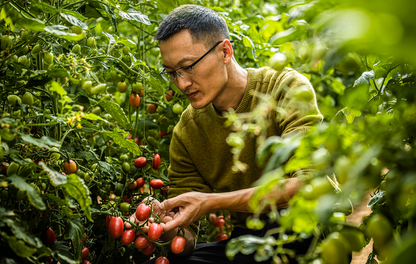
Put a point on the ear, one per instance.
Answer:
(227, 51)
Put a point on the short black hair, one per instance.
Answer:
(204, 24)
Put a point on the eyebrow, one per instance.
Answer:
(180, 62)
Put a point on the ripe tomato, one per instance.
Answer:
(151, 108)
(48, 260)
(221, 236)
(141, 242)
(115, 227)
(108, 219)
(163, 134)
(142, 212)
(140, 162)
(149, 249)
(138, 142)
(169, 97)
(85, 251)
(178, 244)
(219, 222)
(132, 185)
(128, 237)
(212, 217)
(70, 167)
(122, 87)
(85, 239)
(155, 231)
(134, 100)
(140, 183)
(162, 260)
(48, 236)
(86, 262)
(126, 199)
(156, 183)
(156, 161)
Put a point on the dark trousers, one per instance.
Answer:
(214, 253)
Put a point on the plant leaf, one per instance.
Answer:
(76, 188)
(56, 178)
(116, 112)
(32, 194)
(74, 21)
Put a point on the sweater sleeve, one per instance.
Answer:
(183, 175)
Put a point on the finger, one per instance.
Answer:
(168, 226)
(171, 203)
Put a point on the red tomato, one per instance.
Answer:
(169, 97)
(156, 184)
(219, 222)
(86, 262)
(162, 260)
(128, 237)
(155, 231)
(115, 227)
(85, 251)
(149, 249)
(134, 100)
(138, 142)
(140, 183)
(165, 190)
(156, 161)
(48, 236)
(108, 219)
(141, 242)
(48, 260)
(140, 162)
(142, 212)
(70, 167)
(126, 199)
(162, 134)
(178, 244)
(151, 108)
(85, 239)
(212, 218)
(220, 237)
(132, 185)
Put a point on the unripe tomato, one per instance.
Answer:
(278, 61)
(155, 231)
(77, 30)
(113, 74)
(12, 99)
(86, 86)
(169, 97)
(4, 195)
(115, 227)
(21, 195)
(48, 57)
(140, 162)
(132, 185)
(36, 49)
(55, 155)
(137, 87)
(128, 237)
(124, 207)
(178, 244)
(156, 161)
(126, 166)
(156, 183)
(123, 157)
(380, 229)
(6, 42)
(70, 167)
(23, 60)
(48, 236)
(162, 260)
(303, 93)
(177, 109)
(87, 177)
(149, 249)
(12, 169)
(122, 87)
(126, 50)
(25, 35)
(27, 98)
(142, 212)
(141, 242)
(85, 251)
(140, 183)
(90, 42)
(94, 52)
(134, 100)
(350, 63)
(151, 108)
(24, 50)
(334, 249)
(355, 238)
(221, 236)
(99, 89)
(76, 49)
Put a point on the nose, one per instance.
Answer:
(182, 83)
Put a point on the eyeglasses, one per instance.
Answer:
(186, 71)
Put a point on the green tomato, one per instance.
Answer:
(6, 42)
(48, 58)
(24, 50)
(96, 110)
(94, 52)
(125, 207)
(90, 42)
(122, 87)
(87, 86)
(25, 35)
(126, 50)
(123, 157)
(12, 169)
(137, 87)
(12, 99)
(99, 89)
(107, 97)
(55, 155)
(113, 74)
(94, 166)
(177, 109)
(87, 177)
(24, 60)
(4, 195)
(27, 98)
(126, 166)
(14, 58)
(21, 195)
(335, 249)
(76, 49)
(379, 228)
(278, 61)
(77, 30)
(36, 49)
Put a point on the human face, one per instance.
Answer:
(209, 74)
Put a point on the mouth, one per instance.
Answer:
(192, 95)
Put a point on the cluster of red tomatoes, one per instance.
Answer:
(222, 225)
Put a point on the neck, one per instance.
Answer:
(234, 89)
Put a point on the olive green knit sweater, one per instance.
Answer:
(200, 158)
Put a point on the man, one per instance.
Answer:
(198, 58)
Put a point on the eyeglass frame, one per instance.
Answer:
(189, 66)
